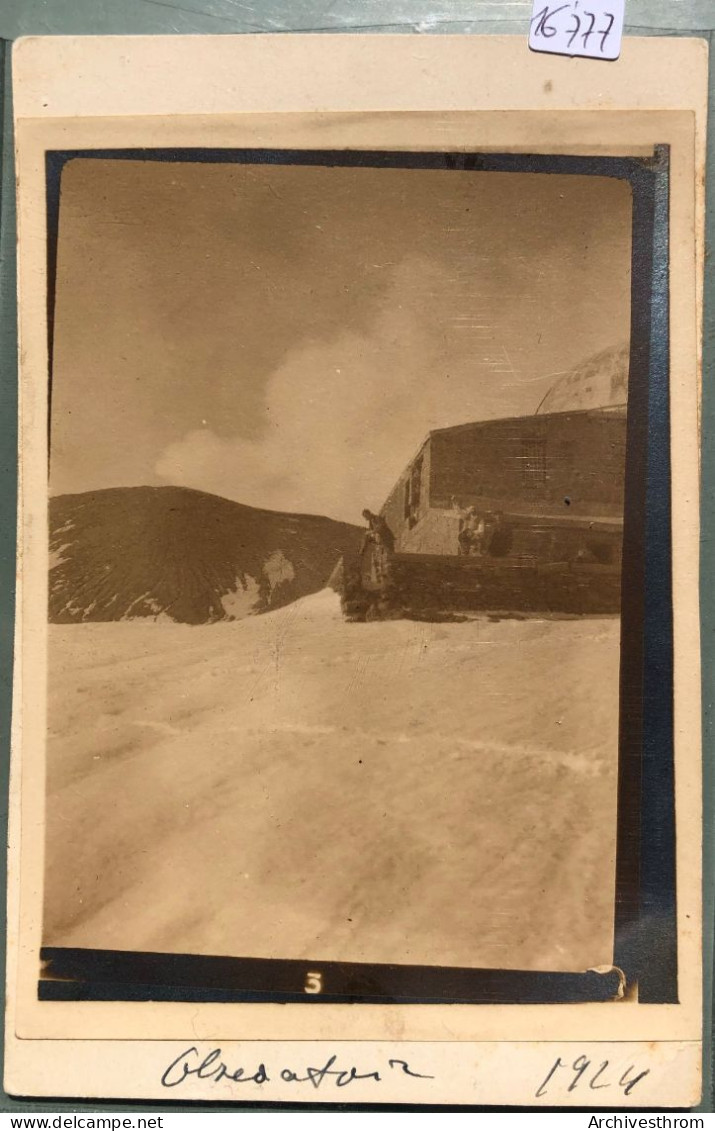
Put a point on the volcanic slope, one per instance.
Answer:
(183, 555)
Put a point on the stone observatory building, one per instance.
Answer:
(562, 468)
(522, 513)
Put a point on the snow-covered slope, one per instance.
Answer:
(291, 785)
(183, 555)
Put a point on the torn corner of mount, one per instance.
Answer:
(606, 969)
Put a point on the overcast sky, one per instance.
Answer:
(287, 336)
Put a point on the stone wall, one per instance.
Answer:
(564, 463)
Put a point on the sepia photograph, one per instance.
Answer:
(337, 461)
(357, 652)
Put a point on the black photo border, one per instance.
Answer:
(645, 943)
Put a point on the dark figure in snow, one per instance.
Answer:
(381, 540)
(378, 531)
(472, 529)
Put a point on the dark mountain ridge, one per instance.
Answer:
(184, 555)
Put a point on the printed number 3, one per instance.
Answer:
(313, 982)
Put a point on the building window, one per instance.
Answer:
(413, 493)
(533, 461)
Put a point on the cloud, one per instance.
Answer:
(344, 416)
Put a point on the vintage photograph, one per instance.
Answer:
(356, 752)
(337, 461)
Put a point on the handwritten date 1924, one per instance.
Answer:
(595, 1076)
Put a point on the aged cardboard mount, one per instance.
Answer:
(364, 599)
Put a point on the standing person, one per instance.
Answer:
(380, 536)
(378, 530)
(471, 530)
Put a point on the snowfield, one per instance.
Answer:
(295, 786)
